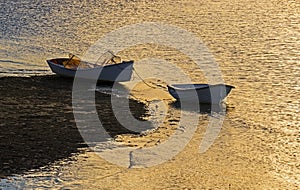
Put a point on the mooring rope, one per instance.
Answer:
(142, 78)
(151, 86)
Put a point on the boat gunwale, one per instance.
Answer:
(50, 61)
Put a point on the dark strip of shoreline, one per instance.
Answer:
(37, 124)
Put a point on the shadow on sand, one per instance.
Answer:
(37, 124)
(201, 108)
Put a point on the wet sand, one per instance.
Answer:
(38, 130)
(37, 123)
(236, 160)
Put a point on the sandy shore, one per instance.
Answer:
(38, 129)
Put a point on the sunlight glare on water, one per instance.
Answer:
(256, 44)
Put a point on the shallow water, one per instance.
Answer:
(255, 43)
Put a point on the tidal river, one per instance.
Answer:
(255, 45)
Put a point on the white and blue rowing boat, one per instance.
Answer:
(202, 93)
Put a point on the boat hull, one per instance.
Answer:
(201, 93)
(111, 73)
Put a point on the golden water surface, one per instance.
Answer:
(257, 47)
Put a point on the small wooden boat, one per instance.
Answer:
(203, 93)
(116, 72)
